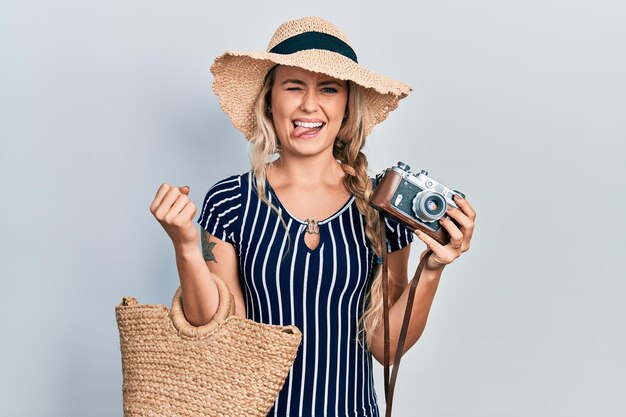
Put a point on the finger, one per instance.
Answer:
(456, 236)
(429, 241)
(465, 206)
(188, 213)
(442, 255)
(166, 203)
(467, 237)
(466, 224)
(184, 189)
(177, 207)
(460, 217)
(163, 189)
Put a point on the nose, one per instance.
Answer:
(309, 101)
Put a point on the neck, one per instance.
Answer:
(309, 171)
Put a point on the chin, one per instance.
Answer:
(308, 147)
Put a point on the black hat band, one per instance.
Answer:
(314, 40)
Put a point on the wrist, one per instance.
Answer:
(434, 267)
(186, 250)
(432, 272)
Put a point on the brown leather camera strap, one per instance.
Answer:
(390, 383)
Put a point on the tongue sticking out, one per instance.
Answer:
(300, 130)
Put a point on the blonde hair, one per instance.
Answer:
(347, 150)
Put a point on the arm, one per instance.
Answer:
(442, 255)
(199, 291)
(398, 293)
(221, 258)
(195, 269)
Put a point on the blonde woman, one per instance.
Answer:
(295, 238)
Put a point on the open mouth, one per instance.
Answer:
(307, 129)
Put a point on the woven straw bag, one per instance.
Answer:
(229, 367)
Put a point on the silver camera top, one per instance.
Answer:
(422, 180)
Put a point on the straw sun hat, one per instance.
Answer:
(313, 44)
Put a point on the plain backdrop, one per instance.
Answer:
(519, 104)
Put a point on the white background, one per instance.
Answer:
(521, 105)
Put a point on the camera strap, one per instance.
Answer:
(391, 382)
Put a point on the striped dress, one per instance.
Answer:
(321, 291)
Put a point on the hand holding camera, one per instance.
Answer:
(441, 217)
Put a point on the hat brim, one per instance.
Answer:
(238, 78)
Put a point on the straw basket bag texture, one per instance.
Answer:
(229, 367)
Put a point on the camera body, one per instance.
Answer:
(416, 200)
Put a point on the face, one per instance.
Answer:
(307, 110)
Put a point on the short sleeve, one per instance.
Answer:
(398, 235)
(220, 211)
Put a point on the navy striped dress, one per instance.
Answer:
(321, 291)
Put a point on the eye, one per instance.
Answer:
(293, 88)
(329, 90)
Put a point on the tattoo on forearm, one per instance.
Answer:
(207, 247)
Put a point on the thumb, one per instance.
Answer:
(184, 189)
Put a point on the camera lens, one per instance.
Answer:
(429, 206)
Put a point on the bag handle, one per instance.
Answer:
(390, 383)
(225, 309)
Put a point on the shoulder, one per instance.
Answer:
(227, 187)
(230, 183)
(222, 200)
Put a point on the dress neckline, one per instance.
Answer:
(343, 208)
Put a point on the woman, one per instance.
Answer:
(295, 239)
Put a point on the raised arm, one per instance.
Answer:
(221, 258)
(175, 212)
(442, 255)
(398, 293)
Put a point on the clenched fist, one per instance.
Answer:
(173, 209)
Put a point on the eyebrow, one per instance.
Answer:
(321, 83)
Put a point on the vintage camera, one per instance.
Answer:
(416, 200)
